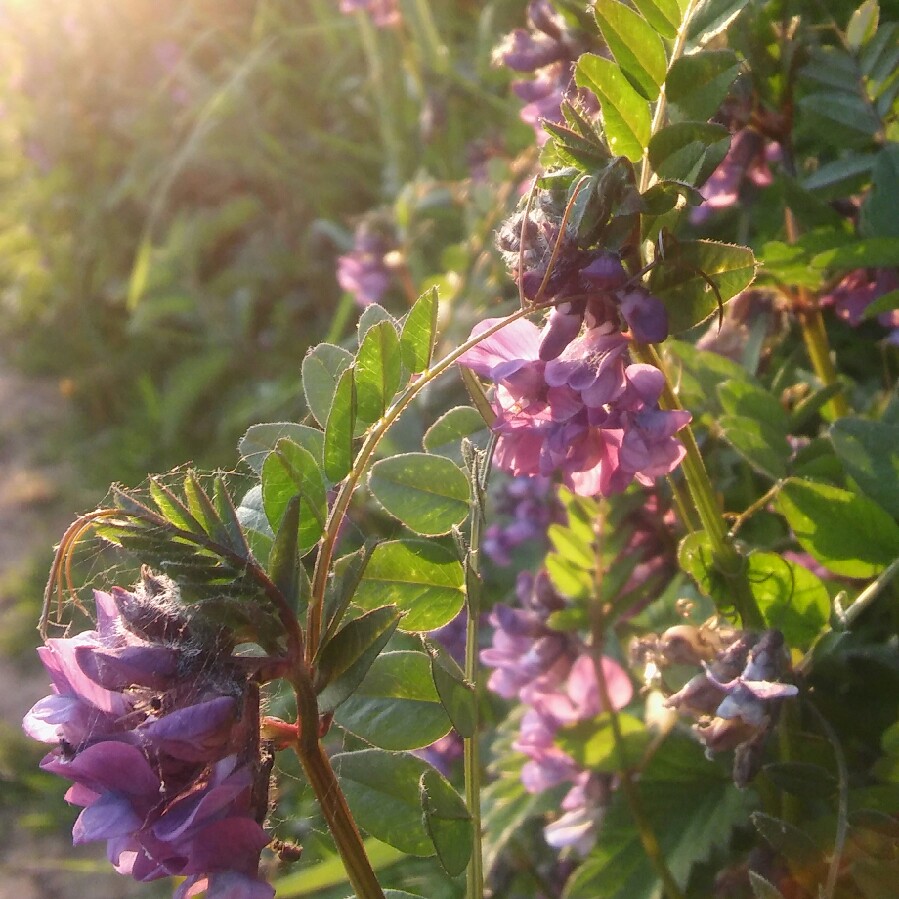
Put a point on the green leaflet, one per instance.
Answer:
(337, 451)
(347, 656)
(697, 84)
(423, 579)
(419, 332)
(634, 43)
(790, 597)
(322, 368)
(383, 790)
(428, 493)
(397, 705)
(625, 113)
(691, 804)
(846, 532)
(684, 280)
(288, 471)
(378, 371)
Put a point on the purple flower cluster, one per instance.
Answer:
(526, 507)
(588, 287)
(548, 49)
(383, 13)
(736, 698)
(554, 674)
(861, 287)
(364, 271)
(157, 727)
(527, 655)
(588, 413)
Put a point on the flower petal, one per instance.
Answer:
(517, 340)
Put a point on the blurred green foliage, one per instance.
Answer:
(177, 179)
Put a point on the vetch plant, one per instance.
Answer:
(686, 485)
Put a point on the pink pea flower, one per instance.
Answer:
(587, 414)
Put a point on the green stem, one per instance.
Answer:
(685, 508)
(811, 323)
(435, 50)
(382, 93)
(790, 805)
(324, 783)
(725, 556)
(472, 760)
(817, 345)
(661, 110)
(479, 471)
(647, 835)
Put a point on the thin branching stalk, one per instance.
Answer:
(471, 750)
(647, 835)
(360, 466)
(757, 506)
(839, 840)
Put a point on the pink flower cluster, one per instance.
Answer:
(158, 730)
(589, 413)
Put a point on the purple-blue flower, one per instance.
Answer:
(523, 510)
(157, 728)
(737, 698)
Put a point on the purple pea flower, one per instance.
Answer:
(157, 727)
(548, 48)
(737, 698)
(746, 162)
(861, 287)
(525, 508)
(576, 700)
(583, 807)
(383, 13)
(364, 271)
(645, 315)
